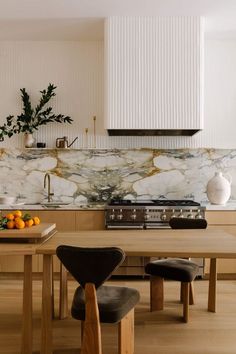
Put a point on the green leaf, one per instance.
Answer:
(30, 119)
(27, 217)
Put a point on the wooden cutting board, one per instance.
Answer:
(36, 232)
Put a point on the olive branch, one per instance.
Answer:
(31, 118)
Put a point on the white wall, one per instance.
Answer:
(77, 69)
(220, 94)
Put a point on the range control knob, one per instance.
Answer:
(173, 214)
(190, 215)
(146, 216)
(163, 215)
(112, 216)
(198, 215)
(181, 215)
(133, 215)
(120, 216)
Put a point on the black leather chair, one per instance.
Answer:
(182, 270)
(93, 302)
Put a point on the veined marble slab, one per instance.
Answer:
(84, 176)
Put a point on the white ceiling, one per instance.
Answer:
(83, 19)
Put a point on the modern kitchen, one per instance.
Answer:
(117, 177)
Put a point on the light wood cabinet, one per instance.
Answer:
(16, 263)
(225, 220)
(66, 220)
(90, 220)
(132, 266)
(72, 220)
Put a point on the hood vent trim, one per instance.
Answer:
(152, 132)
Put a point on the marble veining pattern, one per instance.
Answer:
(82, 176)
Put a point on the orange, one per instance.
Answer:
(17, 213)
(17, 219)
(36, 220)
(10, 224)
(20, 224)
(29, 223)
(10, 216)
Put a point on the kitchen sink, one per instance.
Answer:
(54, 204)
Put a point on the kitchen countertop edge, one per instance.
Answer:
(230, 206)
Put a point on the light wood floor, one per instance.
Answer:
(155, 333)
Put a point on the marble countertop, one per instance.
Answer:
(52, 207)
(231, 205)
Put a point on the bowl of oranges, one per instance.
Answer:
(17, 220)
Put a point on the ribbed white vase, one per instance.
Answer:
(28, 140)
(219, 189)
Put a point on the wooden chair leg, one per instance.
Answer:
(126, 334)
(53, 294)
(156, 293)
(91, 342)
(185, 287)
(63, 295)
(191, 294)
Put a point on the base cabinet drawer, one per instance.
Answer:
(223, 220)
(133, 266)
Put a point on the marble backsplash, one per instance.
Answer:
(84, 176)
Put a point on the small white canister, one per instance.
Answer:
(219, 189)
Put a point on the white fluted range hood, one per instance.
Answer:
(154, 75)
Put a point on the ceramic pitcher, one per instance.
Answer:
(219, 188)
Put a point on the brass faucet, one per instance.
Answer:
(47, 177)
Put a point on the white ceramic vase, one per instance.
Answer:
(219, 189)
(28, 140)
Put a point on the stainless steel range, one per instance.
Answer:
(149, 214)
(152, 214)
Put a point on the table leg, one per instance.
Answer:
(26, 344)
(63, 301)
(46, 330)
(212, 286)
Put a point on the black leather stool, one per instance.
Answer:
(178, 269)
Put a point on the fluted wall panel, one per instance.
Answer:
(154, 72)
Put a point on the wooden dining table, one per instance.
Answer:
(27, 250)
(24, 242)
(208, 243)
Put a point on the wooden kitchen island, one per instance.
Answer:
(209, 243)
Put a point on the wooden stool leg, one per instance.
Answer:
(185, 287)
(191, 294)
(126, 334)
(181, 293)
(156, 293)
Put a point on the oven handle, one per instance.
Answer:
(157, 226)
(124, 227)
